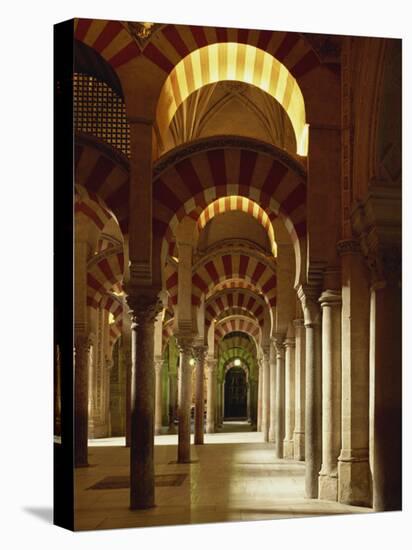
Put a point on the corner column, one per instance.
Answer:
(330, 301)
(353, 462)
(144, 306)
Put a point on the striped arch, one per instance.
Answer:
(114, 307)
(249, 267)
(104, 175)
(239, 342)
(174, 42)
(232, 284)
(91, 206)
(234, 300)
(237, 324)
(190, 178)
(237, 353)
(242, 204)
(171, 281)
(232, 61)
(104, 274)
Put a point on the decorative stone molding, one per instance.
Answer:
(330, 298)
(144, 307)
(143, 32)
(204, 144)
(199, 353)
(309, 295)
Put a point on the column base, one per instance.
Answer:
(158, 431)
(271, 435)
(354, 481)
(328, 487)
(210, 429)
(288, 449)
(299, 446)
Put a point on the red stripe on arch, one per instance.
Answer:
(126, 54)
(247, 167)
(221, 34)
(156, 56)
(295, 199)
(260, 268)
(108, 34)
(264, 39)
(306, 64)
(101, 170)
(199, 36)
(286, 46)
(106, 269)
(173, 36)
(83, 26)
(242, 36)
(227, 265)
(163, 194)
(275, 175)
(172, 281)
(270, 284)
(243, 263)
(199, 282)
(211, 269)
(189, 176)
(217, 167)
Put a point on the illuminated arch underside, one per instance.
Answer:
(242, 204)
(231, 61)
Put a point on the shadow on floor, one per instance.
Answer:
(42, 512)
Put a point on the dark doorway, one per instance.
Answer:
(235, 393)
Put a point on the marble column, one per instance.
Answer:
(330, 301)
(210, 401)
(353, 462)
(144, 306)
(200, 354)
(185, 399)
(265, 394)
(309, 296)
(299, 431)
(253, 403)
(288, 447)
(386, 385)
(272, 393)
(280, 395)
(158, 368)
(259, 396)
(172, 402)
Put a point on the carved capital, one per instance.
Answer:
(211, 365)
(308, 296)
(185, 345)
(200, 353)
(144, 307)
(330, 298)
(348, 246)
(290, 342)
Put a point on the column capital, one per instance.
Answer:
(289, 342)
(298, 323)
(348, 246)
(144, 305)
(158, 365)
(330, 298)
(200, 352)
(211, 364)
(185, 344)
(308, 296)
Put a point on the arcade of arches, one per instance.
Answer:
(238, 251)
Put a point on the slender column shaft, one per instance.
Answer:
(144, 308)
(200, 353)
(280, 396)
(272, 394)
(313, 387)
(259, 397)
(210, 411)
(331, 394)
(289, 397)
(185, 400)
(265, 395)
(172, 401)
(299, 432)
(253, 403)
(158, 368)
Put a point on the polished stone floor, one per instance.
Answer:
(233, 477)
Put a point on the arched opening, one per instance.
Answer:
(236, 393)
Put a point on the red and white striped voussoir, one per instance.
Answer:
(104, 275)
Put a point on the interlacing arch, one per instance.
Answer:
(231, 61)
